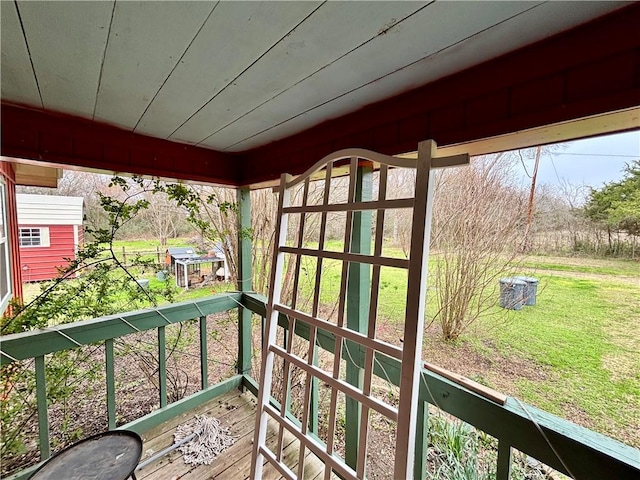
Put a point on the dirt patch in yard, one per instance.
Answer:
(483, 363)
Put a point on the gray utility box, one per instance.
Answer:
(512, 293)
(530, 290)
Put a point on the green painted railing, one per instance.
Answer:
(556, 442)
(562, 445)
(104, 330)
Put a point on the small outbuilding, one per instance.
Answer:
(191, 269)
(49, 230)
(179, 253)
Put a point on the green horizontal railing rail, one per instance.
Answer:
(573, 450)
(37, 344)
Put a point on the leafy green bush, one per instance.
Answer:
(94, 284)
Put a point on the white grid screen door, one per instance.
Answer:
(330, 193)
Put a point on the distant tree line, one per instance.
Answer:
(615, 207)
(162, 220)
(581, 220)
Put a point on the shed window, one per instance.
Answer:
(34, 237)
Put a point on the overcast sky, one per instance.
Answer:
(592, 161)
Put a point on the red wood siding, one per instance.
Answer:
(39, 263)
(64, 139)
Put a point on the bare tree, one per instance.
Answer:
(477, 224)
(163, 218)
(214, 213)
(401, 185)
(264, 211)
(559, 224)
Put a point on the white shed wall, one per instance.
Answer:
(49, 210)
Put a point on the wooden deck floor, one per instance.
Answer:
(236, 411)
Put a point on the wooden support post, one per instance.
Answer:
(526, 241)
(111, 382)
(162, 366)
(244, 279)
(358, 297)
(313, 406)
(204, 356)
(43, 416)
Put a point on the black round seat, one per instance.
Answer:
(111, 455)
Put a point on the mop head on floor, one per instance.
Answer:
(210, 440)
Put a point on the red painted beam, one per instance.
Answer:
(58, 138)
(587, 71)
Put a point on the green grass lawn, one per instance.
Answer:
(585, 332)
(147, 245)
(584, 265)
(147, 249)
(31, 290)
(193, 293)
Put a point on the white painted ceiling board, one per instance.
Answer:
(67, 42)
(18, 82)
(235, 36)
(540, 22)
(423, 34)
(146, 41)
(334, 29)
(236, 99)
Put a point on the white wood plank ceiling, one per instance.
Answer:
(236, 75)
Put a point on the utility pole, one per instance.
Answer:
(526, 243)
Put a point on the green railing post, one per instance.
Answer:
(422, 430)
(287, 388)
(43, 416)
(358, 299)
(111, 382)
(162, 366)
(503, 470)
(244, 279)
(314, 400)
(204, 359)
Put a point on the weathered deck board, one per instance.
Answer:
(161, 436)
(237, 412)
